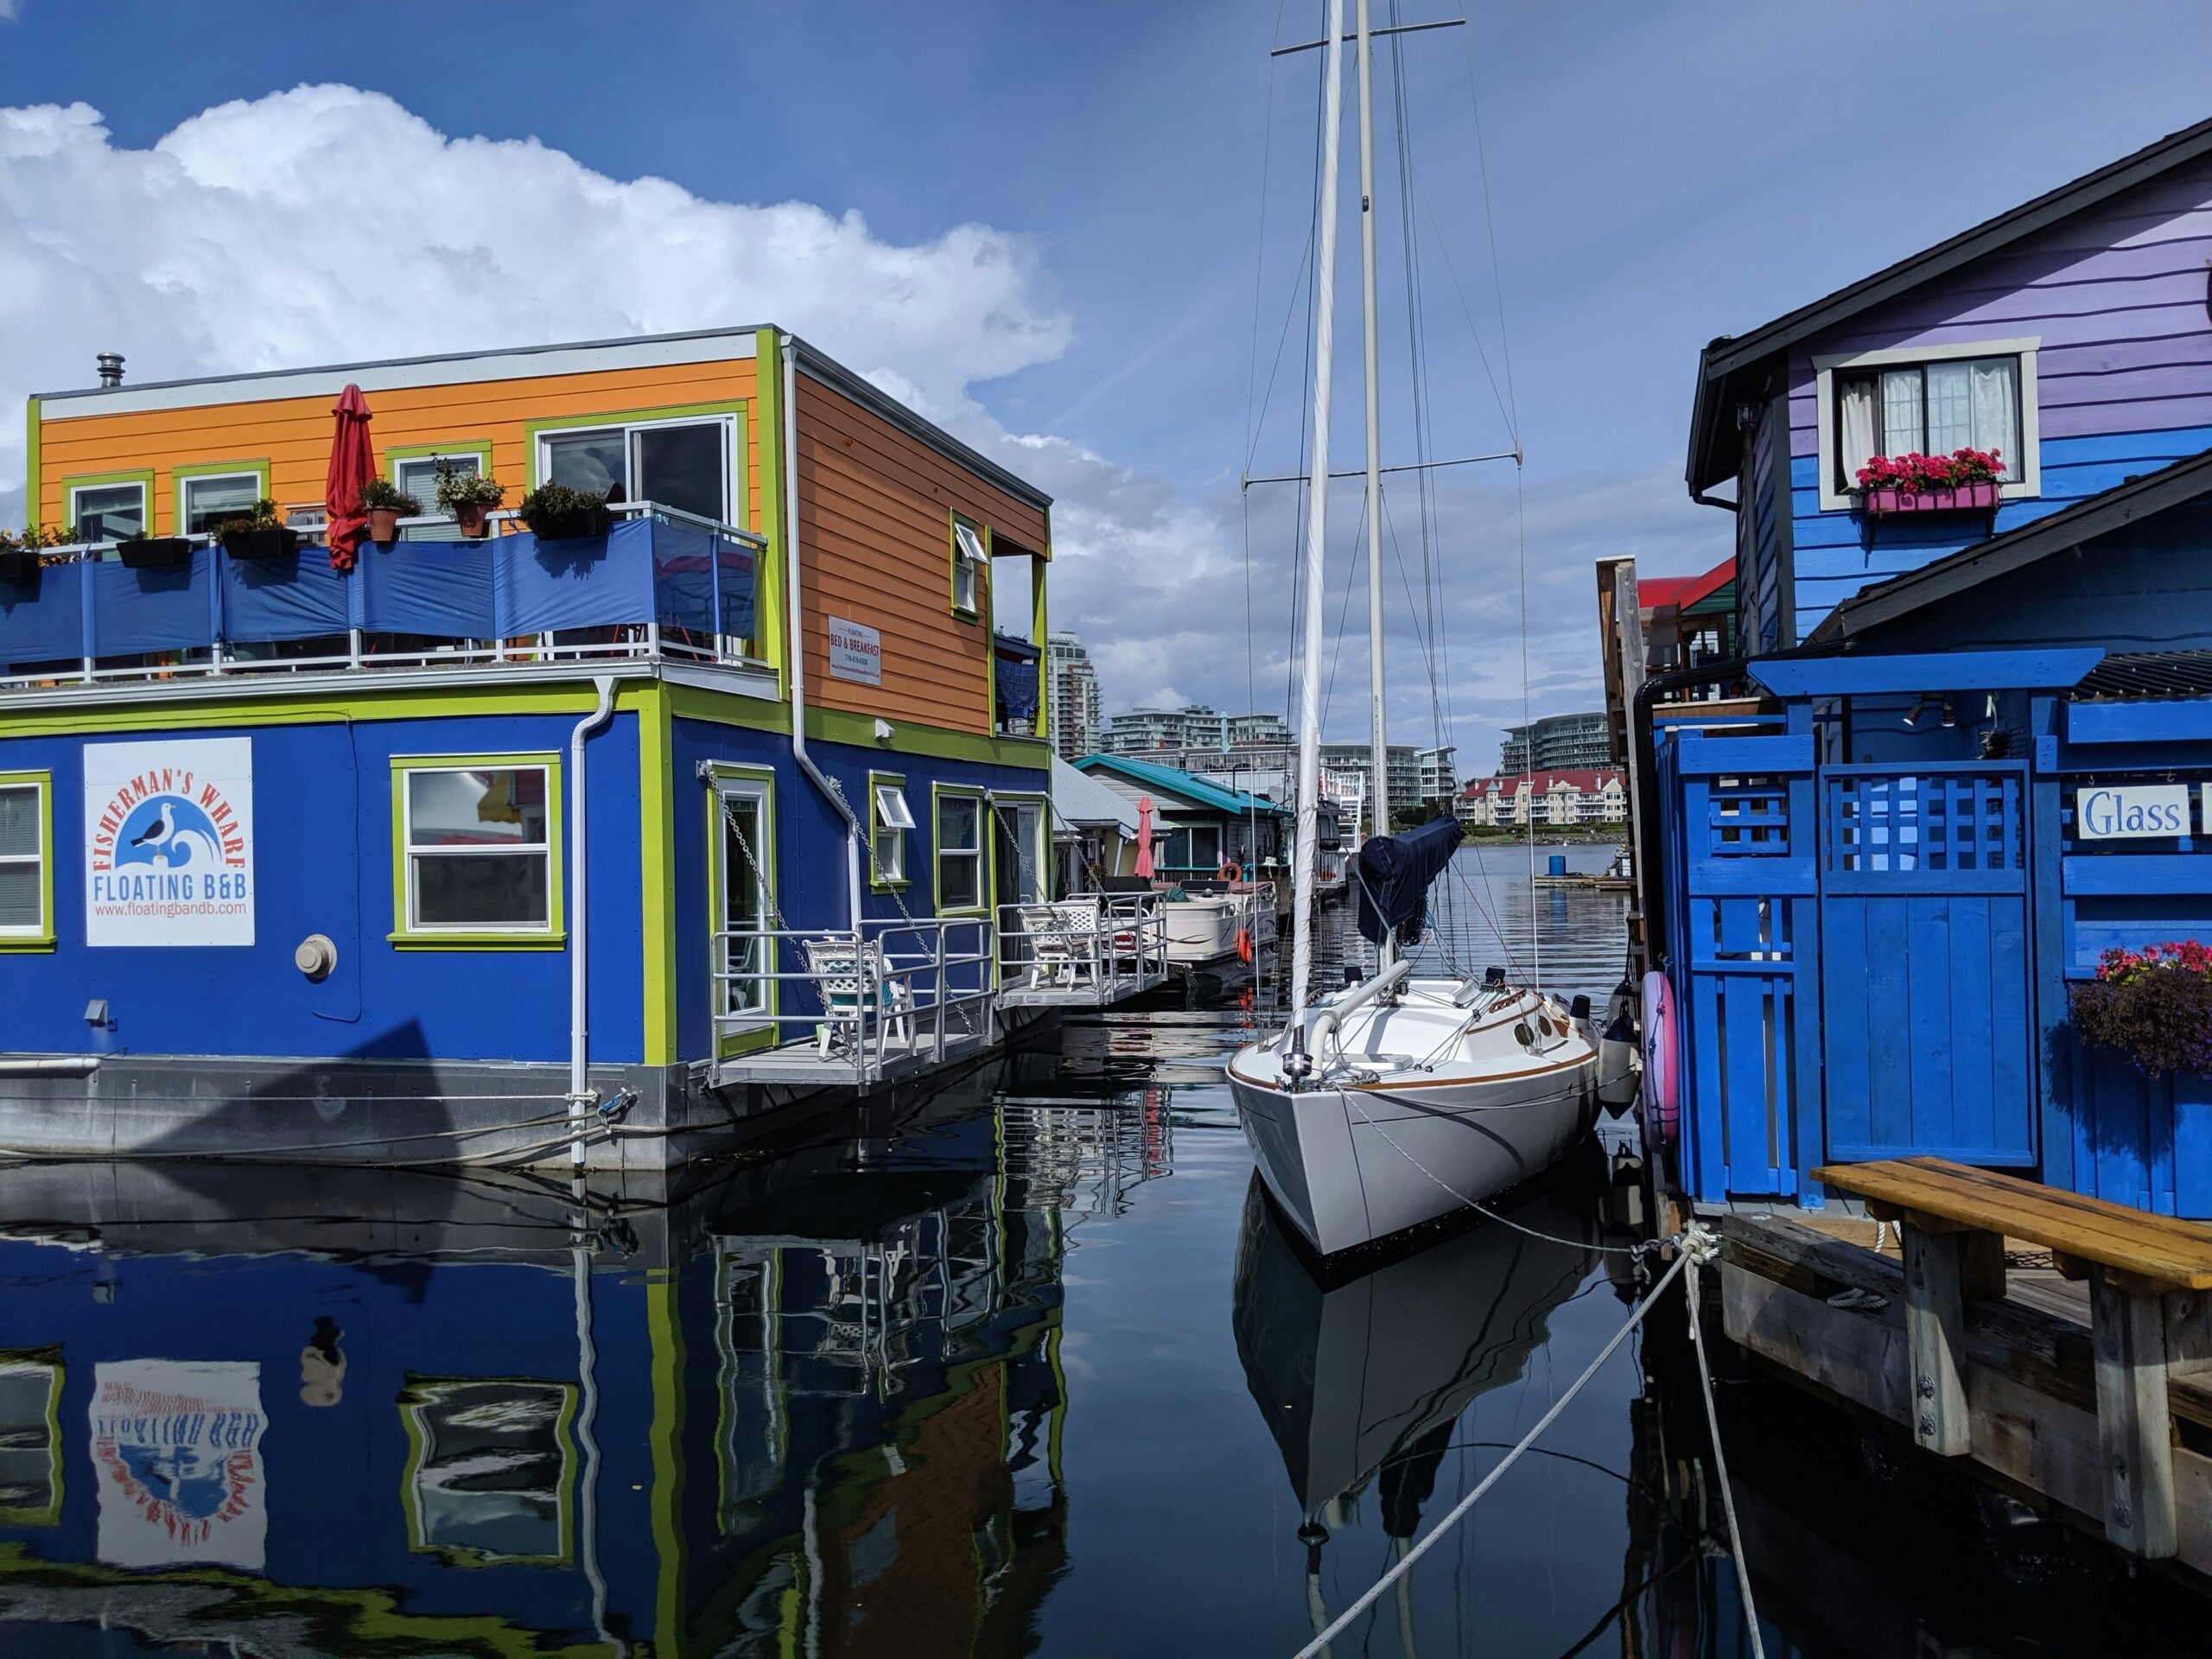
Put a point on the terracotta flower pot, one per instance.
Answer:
(383, 523)
(469, 516)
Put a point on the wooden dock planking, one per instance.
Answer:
(2027, 1370)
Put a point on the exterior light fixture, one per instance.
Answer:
(1950, 715)
(1912, 716)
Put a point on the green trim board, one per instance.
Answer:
(938, 794)
(745, 1040)
(347, 701)
(142, 476)
(768, 442)
(736, 410)
(877, 880)
(405, 932)
(414, 1398)
(657, 870)
(1039, 637)
(42, 938)
(392, 454)
(664, 1433)
(180, 476)
(911, 738)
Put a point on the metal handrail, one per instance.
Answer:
(897, 986)
(1125, 943)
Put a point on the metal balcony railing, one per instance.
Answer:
(1091, 950)
(662, 584)
(854, 1006)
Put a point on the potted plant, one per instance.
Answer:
(260, 535)
(154, 552)
(2153, 1004)
(386, 504)
(555, 512)
(469, 497)
(1966, 480)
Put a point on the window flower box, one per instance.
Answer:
(154, 552)
(1981, 497)
(261, 542)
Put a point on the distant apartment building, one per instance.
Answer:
(1194, 729)
(1403, 770)
(1439, 780)
(1555, 798)
(1077, 716)
(1557, 743)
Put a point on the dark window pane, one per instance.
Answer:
(22, 894)
(586, 460)
(111, 512)
(19, 821)
(681, 467)
(210, 500)
(499, 890)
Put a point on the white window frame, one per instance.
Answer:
(40, 785)
(186, 485)
(412, 926)
(1826, 367)
(732, 460)
(145, 506)
(979, 852)
(1010, 810)
(970, 555)
(760, 792)
(890, 818)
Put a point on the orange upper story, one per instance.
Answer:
(878, 489)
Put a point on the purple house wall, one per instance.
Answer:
(2115, 298)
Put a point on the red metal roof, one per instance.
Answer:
(1652, 591)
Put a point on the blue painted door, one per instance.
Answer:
(1927, 1026)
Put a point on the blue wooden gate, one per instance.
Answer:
(1926, 989)
(1743, 940)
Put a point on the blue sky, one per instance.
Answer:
(1658, 176)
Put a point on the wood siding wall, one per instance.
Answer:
(2117, 296)
(875, 510)
(292, 434)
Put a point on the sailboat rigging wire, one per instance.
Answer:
(1404, 1563)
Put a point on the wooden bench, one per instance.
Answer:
(2151, 1319)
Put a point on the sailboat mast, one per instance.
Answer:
(1316, 523)
(1380, 813)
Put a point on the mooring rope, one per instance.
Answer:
(1694, 1246)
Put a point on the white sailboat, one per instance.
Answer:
(1396, 1100)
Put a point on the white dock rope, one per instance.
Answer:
(1404, 1564)
(1694, 1246)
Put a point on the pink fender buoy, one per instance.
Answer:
(1661, 1082)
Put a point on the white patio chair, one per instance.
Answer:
(852, 980)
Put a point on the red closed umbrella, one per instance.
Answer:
(1144, 837)
(353, 463)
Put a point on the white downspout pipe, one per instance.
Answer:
(581, 1099)
(795, 636)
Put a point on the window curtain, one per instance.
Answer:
(1901, 432)
(1856, 407)
(1950, 408)
(1996, 401)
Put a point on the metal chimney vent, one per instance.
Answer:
(111, 368)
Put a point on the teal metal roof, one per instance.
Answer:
(1188, 784)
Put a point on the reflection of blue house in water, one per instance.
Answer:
(790, 1414)
(1873, 887)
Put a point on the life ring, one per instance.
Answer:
(1230, 871)
(1244, 944)
(1661, 1080)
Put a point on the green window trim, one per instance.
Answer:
(1042, 851)
(142, 477)
(767, 1034)
(982, 533)
(940, 793)
(553, 934)
(42, 938)
(180, 476)
(878, 830)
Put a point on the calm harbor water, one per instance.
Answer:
(1025, 1365)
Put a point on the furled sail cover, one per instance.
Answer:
(1394, 874)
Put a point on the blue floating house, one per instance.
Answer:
(1977, 747)
(453, 849)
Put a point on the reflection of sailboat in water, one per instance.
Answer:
(1367, 1378)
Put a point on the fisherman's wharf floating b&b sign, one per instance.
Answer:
(856, 651)
(177, 1446)
(169, 841)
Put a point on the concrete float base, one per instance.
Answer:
(389, 1112)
